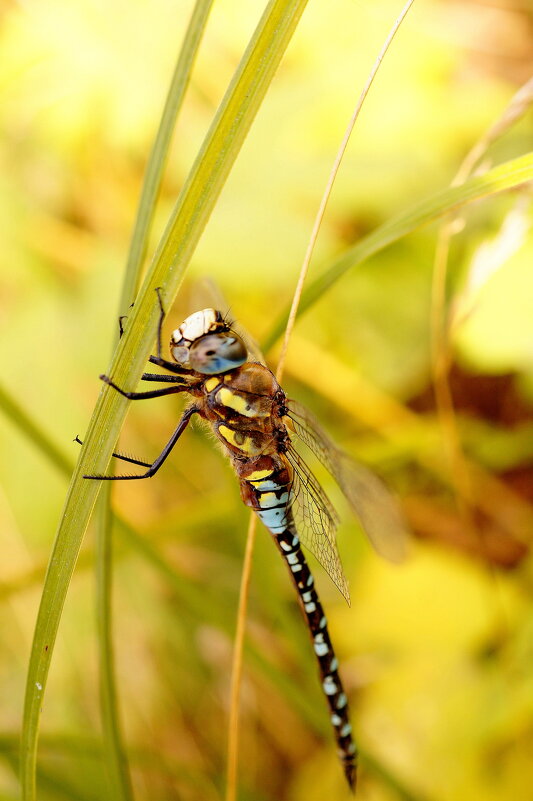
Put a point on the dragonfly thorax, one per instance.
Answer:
(205, 343)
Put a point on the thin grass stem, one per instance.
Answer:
(115, 756)
(327, 191)
(20, 418)
(236, 668)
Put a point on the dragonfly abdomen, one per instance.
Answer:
(289, 545)
(267, 488)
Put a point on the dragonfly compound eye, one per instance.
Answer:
(180, 354)
(217, 353)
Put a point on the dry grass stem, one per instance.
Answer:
(236, 668)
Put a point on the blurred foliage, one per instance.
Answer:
(436, 653)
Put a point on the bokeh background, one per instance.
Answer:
(436, 653)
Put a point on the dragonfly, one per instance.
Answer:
(219, 366)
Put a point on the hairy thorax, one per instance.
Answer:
(243, 409)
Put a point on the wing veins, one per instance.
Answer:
(316, 520)
(367, 496)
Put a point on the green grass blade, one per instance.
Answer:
(506, 176)
(115, 752)
(197, 199)
(38, 436)
(159, 153)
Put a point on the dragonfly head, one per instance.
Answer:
(205, 343)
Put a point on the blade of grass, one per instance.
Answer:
(67, 745)
(55, 784)
(505, 176)
(115, 758)
(115, 752)
(14, 411)
(159, 154)
(204, 183)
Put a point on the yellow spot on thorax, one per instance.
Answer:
(211, 383)
(235, 402)
(239, 440)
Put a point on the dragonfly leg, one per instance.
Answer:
(121, 456)
(161, 318)
(173, 368)
(154, 467)
(165, 379)
(154, 393)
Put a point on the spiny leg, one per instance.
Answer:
(159, 360)
(121, 456)
(173, 368)
(120, 323)
(154, 467)
(165, 379)
(154, 393)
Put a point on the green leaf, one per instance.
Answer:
(509, 175)
(196, 201)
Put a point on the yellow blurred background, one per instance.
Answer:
(436, 653)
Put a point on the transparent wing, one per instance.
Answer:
(316, 520)
(369, 499)
(206, 292)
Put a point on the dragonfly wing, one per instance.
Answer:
(309, 430)
(368, 497)
(316, 520)
(375, 507)
(205, 292)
